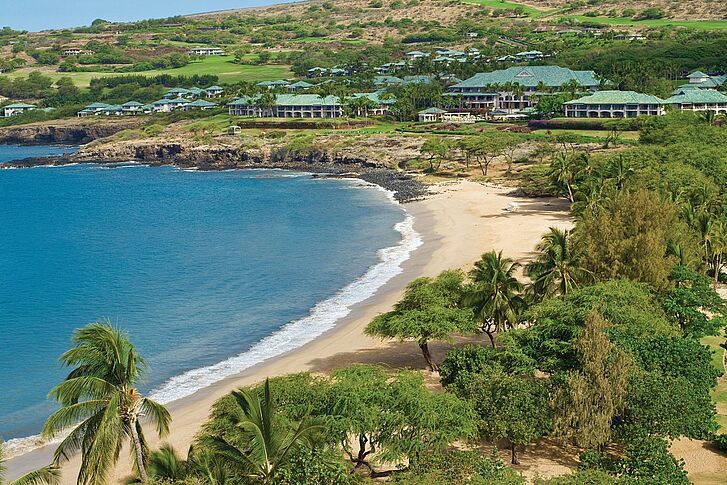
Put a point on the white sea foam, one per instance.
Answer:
(321, 318)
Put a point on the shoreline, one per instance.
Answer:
(456, 223)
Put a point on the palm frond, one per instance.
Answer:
(49, 475)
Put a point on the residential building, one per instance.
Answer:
(614, 104)
(73, 51)
(387, 80)
(17, 109)
(132, 108)
(299, 86)
(379, 106)
(517, 88)
(413, 55)
(530, 55)
(207, 51)
(317, 72)
(280, 83)
(698, 100)
(214, 91)
(93, 109)
(431, 115)
(199, 104)
(162, 106)
(289, 106)
(705, 81)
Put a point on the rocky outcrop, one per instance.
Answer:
(64, 132)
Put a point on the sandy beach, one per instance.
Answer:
(458, 222)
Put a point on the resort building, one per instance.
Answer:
(289, 106)
(17, 109)
(431, 115)
(517, 88)
(299, 86)
(207, 51)
(698, 100)
(132, 108)
(214, 91)
(72, 51)
(413, 55)
(199, 104)
(377, 105)
(387, 80)
(705, 81)
(280, 83)
(614, 104)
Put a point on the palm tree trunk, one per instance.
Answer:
(139, 454)
(513, 455)
(428, 357)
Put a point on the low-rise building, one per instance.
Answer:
(289, 106)
(299, 86)
(132, 108)
(280, 83)
(379, 103)
(74, 51)
(431, 115)
(207, 51)
(17, 109)
(517, 88)
(199, 104)
(387, 80)
(93, 109)
(214, 91)
(614, 104)
(698, 100)
(705, 81)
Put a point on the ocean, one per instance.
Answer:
(208, 272)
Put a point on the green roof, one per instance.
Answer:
(131, 104)
(292, 100)
(201, 103)
(697, 96)
(696, 74)
(375, 97)
(306, 100)
(531, 76)
(301, 84)
(214, 88)
(617, 97)
(387, 80)
(20, 105)
(96, 106)
(432, 111)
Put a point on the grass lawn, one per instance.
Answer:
(221, 66)
(629, 22)
(504, 4)
(719, 394)
(601, 134)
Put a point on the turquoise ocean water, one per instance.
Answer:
(209, 272)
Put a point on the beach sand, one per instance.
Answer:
(459, 222)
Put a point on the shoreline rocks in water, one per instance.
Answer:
(406, 188)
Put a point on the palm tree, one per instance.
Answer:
(49, 474)
(269, 439)
(99, 399)
(495, 293)
(557, 269)
(166, 464)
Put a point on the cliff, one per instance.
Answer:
(65, 132)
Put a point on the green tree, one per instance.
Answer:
(47, 475)
(437, 149)
(100, 401)
(514, 408)
(495, 294)
(557, 268)
(687, 302)
(595, 394)
(269, 440)
(430, 310)
(630, 237)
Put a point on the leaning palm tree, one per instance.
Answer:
(269, 439)
(495, 294)
(46, 475)
(100, 402)
(557, 269)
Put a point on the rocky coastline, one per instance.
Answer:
(221, 156)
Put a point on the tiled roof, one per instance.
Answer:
(432, 111)
(697, 96)
(20, 105)
(617, 97)
(307, 100)
(375, 97)
(201, 103)
(531, 76)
